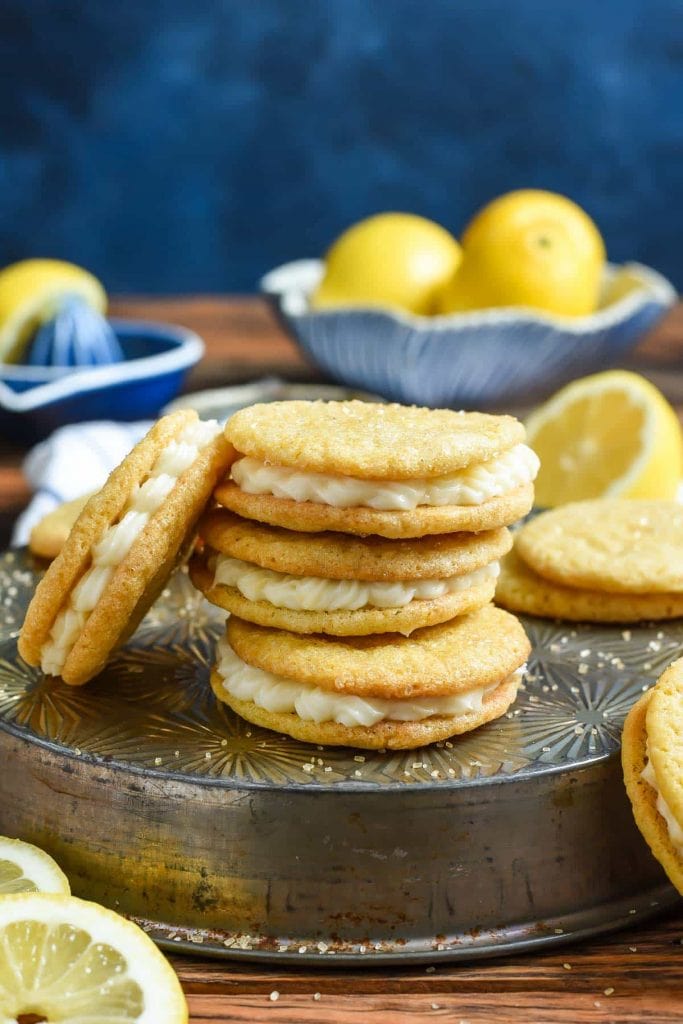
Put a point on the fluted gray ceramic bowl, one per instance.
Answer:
(492, 357)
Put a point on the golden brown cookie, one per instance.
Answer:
(342, 622)
(425, 520)
(369, 440)
(520, 589)
(384, 735)
(475, 650)
(48, 536)
(338, 556)
(636, 751)
(615, 545)
(123, 547)
(665, 735)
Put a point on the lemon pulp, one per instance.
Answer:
(65, 961)
(25, 868)
(611, 434)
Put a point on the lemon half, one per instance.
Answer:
(62, 959)
(25, 868)
(611, 434)
(31, 292)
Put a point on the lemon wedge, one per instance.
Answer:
(611, 434)
(25, 868)
(62, 959)
(31, 292)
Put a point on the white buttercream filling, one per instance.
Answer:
(313, 704)
(470, 486)
(315, 594)
(674, 829)
(117, 541)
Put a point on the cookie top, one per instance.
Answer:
(314, 517)
(123, 547)
(369, 440)
(665, 736)
(609, 544)
(520, 589)
(466, 653)
(336, 556)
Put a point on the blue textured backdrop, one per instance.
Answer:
(183, 146)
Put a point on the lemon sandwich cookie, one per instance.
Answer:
(520, 589)
(342, 585)
(122, 548)
(606, 560)
(652, 758)
(390, 470)
(373, 692)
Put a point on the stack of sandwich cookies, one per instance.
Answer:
(387, 470)
(607, 560)
(382, 527)
(123, 547)
(373, 692)
(342, 585)
(652, 758)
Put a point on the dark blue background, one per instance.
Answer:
(184, 145)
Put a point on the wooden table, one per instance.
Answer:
(631, 976)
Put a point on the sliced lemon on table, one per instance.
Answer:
(62, 959)
(31, 293)
(611, 434)
(25, 868)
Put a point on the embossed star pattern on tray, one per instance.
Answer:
(152, 707)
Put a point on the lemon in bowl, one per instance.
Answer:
(397, 260)
(539, 308)
(529, 248)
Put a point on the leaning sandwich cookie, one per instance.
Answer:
(652, 759)
(123, 547)
(339, 584)
(373, 692)
(390, 470)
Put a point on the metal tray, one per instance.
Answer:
(229, 840)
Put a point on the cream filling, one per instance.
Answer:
(313, 704)
(674, 829)
(115, 544)
(314, 594)
(470, 486)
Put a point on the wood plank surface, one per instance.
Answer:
(632, 976)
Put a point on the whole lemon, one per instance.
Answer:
(529, 248)
(391, 259)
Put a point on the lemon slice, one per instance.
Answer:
(611, 434)
(25, 868)
(31, 292)
(65, 960)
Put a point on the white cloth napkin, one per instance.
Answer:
(71, 462)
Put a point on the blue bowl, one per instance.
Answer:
(35, 400)
(492, 357)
